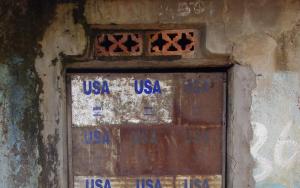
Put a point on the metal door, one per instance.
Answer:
(146, 130)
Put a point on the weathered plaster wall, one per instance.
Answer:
(62, 36)
(263, 36)
(22, 151)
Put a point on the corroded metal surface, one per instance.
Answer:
(197, 181)
(165, 150)
(172, 128)
(149, 181)
(95, 151)
(201, 99)
(119, 103)
(139, 150)
(118, 44)
(172, 42)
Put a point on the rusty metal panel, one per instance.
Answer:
(95, 151)
(201, 99)
(170, 131)
(174, 150)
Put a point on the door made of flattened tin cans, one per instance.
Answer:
(146, 130)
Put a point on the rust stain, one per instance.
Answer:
(95, 151)
(174, 150)
(201, 98)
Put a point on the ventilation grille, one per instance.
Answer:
(154, 43)
(119, 44)
(172, 42)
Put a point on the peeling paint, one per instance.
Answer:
(276, 143)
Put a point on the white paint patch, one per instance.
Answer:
(122, 105)
(275, 145)
(260, 138)
(285, 152)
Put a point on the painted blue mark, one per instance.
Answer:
(196, 137)
(148, 183)
(97, 183)
(147, 87)
(97, 111)
(196, 183)
(148, 110)
(145, 137)
(95, 87)
(197, 86)
(96, 137)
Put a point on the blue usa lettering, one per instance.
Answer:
(146, 86)
(197, 86)
(95, 87)
(196, 183)
(148, 183)
(96, 137)
(144, 137)
(97, 183)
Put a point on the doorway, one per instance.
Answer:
(147, 129)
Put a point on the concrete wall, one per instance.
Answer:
(261, 36)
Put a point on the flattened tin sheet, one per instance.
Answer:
(148, 182)
(198, 96)
(174, 150)
(199, 181)
(95, 151)
(201, 98)
(116, 102)
(153, 149)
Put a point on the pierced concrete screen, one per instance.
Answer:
(158, 43)
(143, 130)
(172, 42)
(119, 44)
